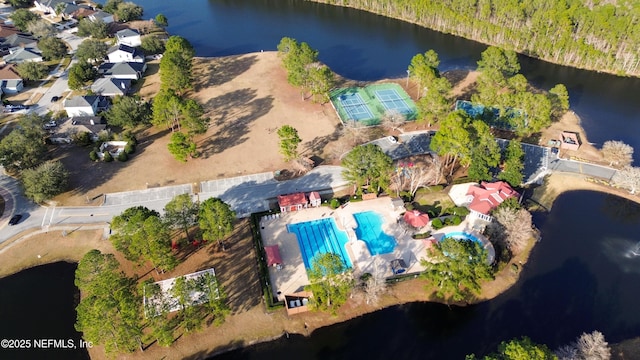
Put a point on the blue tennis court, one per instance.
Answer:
(391, 100)
(355, 107)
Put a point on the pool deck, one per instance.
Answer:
(291, 277)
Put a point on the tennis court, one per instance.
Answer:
(391, 100)
(368, 105)
(355, 107)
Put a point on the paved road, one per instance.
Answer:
(245, 194)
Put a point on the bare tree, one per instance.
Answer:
(302, 165)
(356, 131)
(393, 119)
(517, 228)
(41, 29)
(617, 153)
(415, 176)
(628, 178)
(591, 346)
(375, 285)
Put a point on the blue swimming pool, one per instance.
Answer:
(318, 237)
(460, 235)
(370, 231)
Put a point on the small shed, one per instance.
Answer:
(314, 199)
(297, 302)
(569, 140)
(292, 202)
(273, 255)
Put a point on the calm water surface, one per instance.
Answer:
(40, 303)
(364, 46)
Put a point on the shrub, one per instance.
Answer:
(408, 206)
(93, 155)
(456, 220)
(459, 210)
(334, 203)
(437, 224)
(82, 138)
(108, 157)
(424, 235)
(130, 148)
(122, 157)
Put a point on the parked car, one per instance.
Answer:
(55, 98)
(392, 139)
(15, 219)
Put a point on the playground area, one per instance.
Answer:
(368, 105)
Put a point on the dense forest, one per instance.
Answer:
(602, 35)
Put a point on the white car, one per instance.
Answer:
(392, 139)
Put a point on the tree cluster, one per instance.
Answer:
(45, 181)
(80, 74)
(435, 89)
(92, 51)
(97, 29)
(331, 282)
(502, 87)
(170, 108)
(22, 18)
(367, 167)
(176, 65)
(289, 141)
(109, 310)
(519, 349)
(304, 70)
(585, 34)
(52, 48)
(30, 70)
(588, 346)
(457, 268)
(128, 112)
(124, 11)
(628, 177)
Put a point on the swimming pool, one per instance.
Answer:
(318, 237)
(460, 235)
(485, 244)
(370, 231)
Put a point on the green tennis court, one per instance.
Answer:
(368, 105)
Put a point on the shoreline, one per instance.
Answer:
(442, 31)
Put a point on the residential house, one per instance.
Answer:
(100, 15)
(123, 70)
(10, 81)
(82, 12)
(89, 105)
(65, 132)
(23, 55)
(18, 41)
(111, 86)
(482, 198)
(128, 37)
(50, 6)
(125, 53)
(8, 30)
(292, 202)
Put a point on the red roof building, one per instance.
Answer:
(314, 199)
(292, 202)
(487, 196)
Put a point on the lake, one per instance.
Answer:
(40, 303)
(583, 275)
(364, 46)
